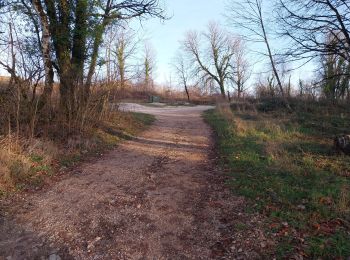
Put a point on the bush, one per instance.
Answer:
(270, 104)
(18, 172)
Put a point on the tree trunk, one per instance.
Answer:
(187, 93)
(60, 32)
(122, 75)
(94, 56)
(67, 91)
(45, 101)
(274, 69)
(222, 89)
(96, 46)
(79, 55)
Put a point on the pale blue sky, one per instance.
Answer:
(185, 15)
(195, 15)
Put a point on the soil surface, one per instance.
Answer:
(159, 196)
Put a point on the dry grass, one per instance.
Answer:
(15, 166)
(35, 143)
(27, 163)
(225, 110)
(343, 204)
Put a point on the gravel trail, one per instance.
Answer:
(158, 196)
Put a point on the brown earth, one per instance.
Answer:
(159, 196)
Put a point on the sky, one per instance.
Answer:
(165, 36)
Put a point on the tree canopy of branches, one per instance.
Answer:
(71, 33)
(320, 30)
(214, 60)
(308, 23)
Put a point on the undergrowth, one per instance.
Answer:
(26, 164)
(284, 164)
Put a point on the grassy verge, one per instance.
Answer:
(26, 165)
(284, 165)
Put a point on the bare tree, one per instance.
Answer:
(183, 72)
(148, 66)
(37, 17)
(125, 49)
(249, 15)
(22, 60)
(121, 47)
(214, 60)
(241, 65)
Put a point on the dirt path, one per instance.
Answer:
(156, 197)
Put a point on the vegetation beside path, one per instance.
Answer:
(284, 163)
(29, 164)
